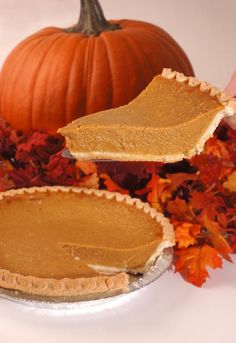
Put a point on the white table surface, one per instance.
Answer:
(170, 310)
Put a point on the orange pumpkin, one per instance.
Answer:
(57, 75)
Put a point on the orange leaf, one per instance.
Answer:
(217, 148)
(216, 238)
(192, 263)
(86, 167)
(186, 233)
(89, 181)
(180, 210)
(159, 191)
(200, 200)
(179, 178)
(111, 185)
(211, 168)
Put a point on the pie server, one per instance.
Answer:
(67, 154)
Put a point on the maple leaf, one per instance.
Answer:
(86, 167)
(89, 181)
(180, 210)
(38, 148)
(159, 191)
(186, 233)
(36, 139)
(60, 171)
(192, 263)
(111, 185)
(211, 169)
(181, 178)
(200, 200)
(217, 148)
(214, 234)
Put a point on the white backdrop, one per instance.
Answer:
(206, 29)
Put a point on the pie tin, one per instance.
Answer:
(137, 282)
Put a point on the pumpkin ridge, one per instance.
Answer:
(13, 64)
(58, 46)
(177, 51)
(37, 75)
(148, 38)
(88, 68)
(177, 48)
(110, 69)
(18, 66)
(133, 37)
(162, 41)
(132, 50)
(74, 55)
(120, 62)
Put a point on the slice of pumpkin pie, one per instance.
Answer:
(170, 120)
(62, 241)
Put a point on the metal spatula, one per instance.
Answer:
(67, 154)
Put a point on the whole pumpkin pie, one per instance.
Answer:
(170, 120)
(65, 241)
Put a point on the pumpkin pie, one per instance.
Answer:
(170, 120)
(65, 241)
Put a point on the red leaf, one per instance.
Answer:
(180, 210)
(180, 178)
(208, 202)
(89, 181)
(159, 191)
(214, 234)
(186, 233)
(211, 169)
(217, 148)
(111, 185)
(192, 263)
(86, 167)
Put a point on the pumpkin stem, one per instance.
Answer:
(92, 20)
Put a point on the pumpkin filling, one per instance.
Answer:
(68, 234)
(170, 120)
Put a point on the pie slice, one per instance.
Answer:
(170, 120)
(65, 241)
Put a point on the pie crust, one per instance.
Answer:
(141, 131)
(116, 280)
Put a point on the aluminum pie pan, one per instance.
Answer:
(137, 282)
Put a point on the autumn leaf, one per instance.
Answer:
(200, 200)
(181, 178)
(111, 185)
(217, 148)
(186, 233)
(180, 210)
(192, 263)
(159, 191)
(214, 234)
(89, 181)
(211, 169)
(86, 167)
(35, 140)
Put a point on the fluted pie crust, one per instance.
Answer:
(169, 121)
(102, 280)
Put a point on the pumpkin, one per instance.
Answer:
(57, 75)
